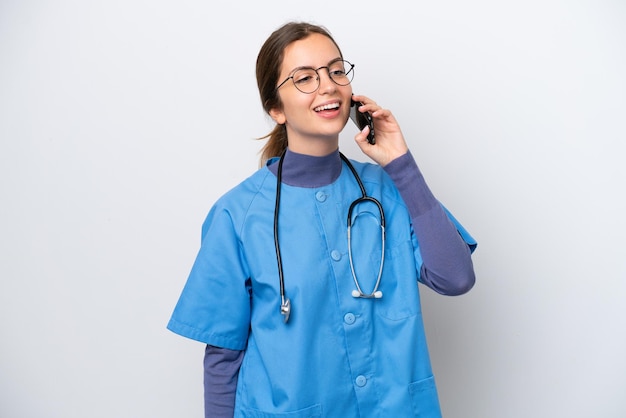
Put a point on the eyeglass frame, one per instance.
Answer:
(327, 66)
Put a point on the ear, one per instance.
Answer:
(278, 115)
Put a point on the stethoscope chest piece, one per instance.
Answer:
(285, 309)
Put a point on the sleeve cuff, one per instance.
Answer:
(410, 182)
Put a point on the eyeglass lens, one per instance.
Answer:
(307, 80)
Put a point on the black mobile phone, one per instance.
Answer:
(362, 119)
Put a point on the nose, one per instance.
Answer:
(327, 85)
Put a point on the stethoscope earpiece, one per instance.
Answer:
(374, 295)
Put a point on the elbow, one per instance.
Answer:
(451, 284)
(461, 286)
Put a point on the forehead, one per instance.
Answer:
(315, 51)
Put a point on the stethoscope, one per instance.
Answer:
(285, 302)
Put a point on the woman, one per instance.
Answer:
(308, 311)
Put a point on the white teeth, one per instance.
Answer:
(327, 107)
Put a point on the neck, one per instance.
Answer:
(318, 145)
(316, 149)
(302, 170)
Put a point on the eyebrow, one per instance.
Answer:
(303, 67)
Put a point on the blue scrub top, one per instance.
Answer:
(338, 356)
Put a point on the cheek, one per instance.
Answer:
(297, 105)
(349, 91)
(347, 98)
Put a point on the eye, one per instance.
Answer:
(303, 80)
(305, 76)
(337, 69)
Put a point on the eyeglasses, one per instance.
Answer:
(307, 79)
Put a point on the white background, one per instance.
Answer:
(121, 122)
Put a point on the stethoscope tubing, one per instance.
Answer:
(285, 302)
(358, 292)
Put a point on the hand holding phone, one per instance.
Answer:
(362, 120)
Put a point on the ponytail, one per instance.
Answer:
(276, 143)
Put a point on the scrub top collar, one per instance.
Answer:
(301, 170)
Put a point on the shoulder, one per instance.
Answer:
(235, 203)
(247, 189)
(377, 181)
(372, 173)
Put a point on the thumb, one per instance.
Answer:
(361, 137)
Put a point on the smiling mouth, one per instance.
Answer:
(331, 106)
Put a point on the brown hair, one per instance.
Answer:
(268, 66)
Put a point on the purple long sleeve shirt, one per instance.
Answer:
(447, 267)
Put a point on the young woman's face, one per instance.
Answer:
(314, 120)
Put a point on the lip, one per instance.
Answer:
(328, 103)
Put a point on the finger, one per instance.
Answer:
(368, 104)
(361, 98)
(380, 113)
(364, 132)
(361, 137)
